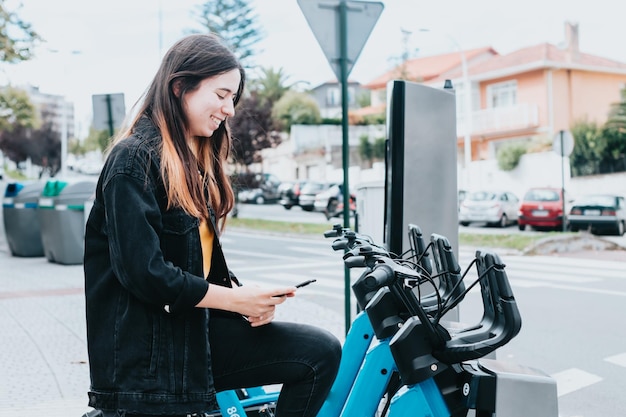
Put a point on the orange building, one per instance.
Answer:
(527, 95)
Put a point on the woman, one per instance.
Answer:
(155, 275)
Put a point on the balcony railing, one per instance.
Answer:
(496, 119)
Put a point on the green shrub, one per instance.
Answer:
(509, 155)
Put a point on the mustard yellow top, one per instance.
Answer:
(206, 240)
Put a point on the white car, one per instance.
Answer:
(495, 208)
(330, 201)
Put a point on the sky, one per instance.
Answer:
(115, 46)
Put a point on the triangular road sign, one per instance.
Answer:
(324, 19)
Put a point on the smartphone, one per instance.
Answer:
(300, 285)
(305, 283)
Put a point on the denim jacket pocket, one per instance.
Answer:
(181, 239)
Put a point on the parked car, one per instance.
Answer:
(290, 193)
(542, 208)
(330, 201)
(495, 208)
(256, 187)
(599, 213)
(308, 193)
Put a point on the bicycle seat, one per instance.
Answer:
(419, 249)
(451, 286)
(501, 319)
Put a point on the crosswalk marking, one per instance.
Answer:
(617, 359)
(264, 255)
(523, 272)
(530, 284)
(571, 267)
(573, 379)
(311, 267)
(320, 252)
(292, 279)
(559, 277)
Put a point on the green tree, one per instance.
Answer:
(16, 109)
(42, 144)
(371, 150)
(44, 147)
(364, 99)
(366, 149)
(17, 38)
(96, 140)
(234, 21)
(253, 129)
(17, 120)
(296, 108)
(271, 85)
(614, 133)
(380, 148)
(509, 155)
(589, 146)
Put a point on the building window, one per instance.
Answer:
(502, 94)
(333, 97)
(351, 96)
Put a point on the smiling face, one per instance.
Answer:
(211, 103)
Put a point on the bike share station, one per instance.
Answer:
(406, 354)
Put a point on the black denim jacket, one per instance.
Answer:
(148, 345)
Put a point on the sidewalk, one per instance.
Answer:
(43, 359)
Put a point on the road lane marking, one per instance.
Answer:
(293, 279)
(310, 267)
(531, 284)
(617, 359)
(572, 380)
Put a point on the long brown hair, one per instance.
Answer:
(188, 62)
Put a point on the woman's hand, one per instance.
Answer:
(257, 305)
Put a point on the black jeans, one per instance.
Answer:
(303, 358)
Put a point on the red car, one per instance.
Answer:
(541, 208)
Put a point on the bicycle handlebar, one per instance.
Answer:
(501, 320)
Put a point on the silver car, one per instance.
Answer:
(495, 208)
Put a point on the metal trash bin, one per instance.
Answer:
(61, 215)
(21, 222)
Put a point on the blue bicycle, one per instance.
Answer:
(400, 354)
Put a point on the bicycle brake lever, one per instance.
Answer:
(336, 231)
(340, 244)
(354, 261)
(410, 283)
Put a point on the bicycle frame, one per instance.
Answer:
(358, 385)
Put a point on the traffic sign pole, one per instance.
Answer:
(342, 49)
(343, 39)
(563, 144)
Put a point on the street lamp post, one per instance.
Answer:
(64, 119)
